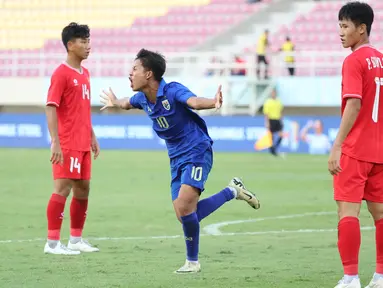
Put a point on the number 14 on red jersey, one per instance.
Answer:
(85, 92)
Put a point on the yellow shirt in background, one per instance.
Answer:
(261, 46)
(287, 47)
(273, 109)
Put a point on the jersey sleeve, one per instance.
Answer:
(182, 93)
(352, 78)
(135, 101)
(56, 89)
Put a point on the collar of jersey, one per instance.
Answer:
(160, 91)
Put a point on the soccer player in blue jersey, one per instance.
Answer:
(189, 145)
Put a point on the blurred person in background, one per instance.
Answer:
(215, 71)
(239, 71)
(319, 143)
(288, 48)
(272, 109)
(262, 45)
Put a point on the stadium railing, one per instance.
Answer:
(201, 72)
(307, 63)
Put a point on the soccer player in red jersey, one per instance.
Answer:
(356, 158)
(68, 114)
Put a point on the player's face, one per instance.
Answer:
(349, 34)
(80, 47)
(138, 76)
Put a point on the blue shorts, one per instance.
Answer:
(191, 168)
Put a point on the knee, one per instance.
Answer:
(62, 192)
(376, 210)
(348, 210)
(81, 191)
(183, 207)
(186, 202)
(62, 188)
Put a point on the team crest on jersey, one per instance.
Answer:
(166, 104)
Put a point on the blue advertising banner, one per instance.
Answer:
(301, 134)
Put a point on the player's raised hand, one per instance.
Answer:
(218, 98)
(334, 160)
(56, 154)
(107, 99)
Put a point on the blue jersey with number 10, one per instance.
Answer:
(180, 127)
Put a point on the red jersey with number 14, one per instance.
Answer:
(69, 91)
(362, 77)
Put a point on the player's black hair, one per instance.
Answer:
(152, 61)
(74, 31)
(359, 13)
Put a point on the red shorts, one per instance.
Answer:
(358, 181)
(77, 165)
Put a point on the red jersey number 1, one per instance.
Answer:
(375, 109)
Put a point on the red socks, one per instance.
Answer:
(78, 210)
(379, 246)
(349, 239)
(55, 215)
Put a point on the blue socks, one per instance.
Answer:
(207, 206)
(190, 225)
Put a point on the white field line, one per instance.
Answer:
(213, 230)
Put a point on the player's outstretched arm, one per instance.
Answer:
(201, 103)
(109, 100)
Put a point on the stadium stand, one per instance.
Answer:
(317, 31)
(32, 27)
(30, 32)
